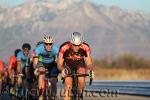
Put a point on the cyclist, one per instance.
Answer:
(31, 77)
(12, 69)
(22, 58)
(2, 72)
(44, 58)
(74, 53)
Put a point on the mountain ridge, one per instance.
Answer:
(109, 30)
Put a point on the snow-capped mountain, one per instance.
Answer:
(108, 30)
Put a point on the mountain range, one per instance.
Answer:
(110, 31)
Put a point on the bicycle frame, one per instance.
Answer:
(75, 90)
(47, 85)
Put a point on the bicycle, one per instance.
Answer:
(4, 85)
(23, 91)
(76, 95)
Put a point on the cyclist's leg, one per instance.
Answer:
(31, 78)
(53, 73)
(41, 86)
(1, 80)
(11, 76)
(41, 81)
(12, 81)
(20, 78)
(53, 87)
(68, 87)
(19, 81)
(81, 80)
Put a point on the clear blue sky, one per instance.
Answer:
(143, 5)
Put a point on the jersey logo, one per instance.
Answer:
(74, 57)
(64, 48)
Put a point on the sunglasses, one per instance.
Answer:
(48, 44)
(76, 45)
(25, 49)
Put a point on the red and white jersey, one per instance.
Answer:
(12, 63)
(72, 58)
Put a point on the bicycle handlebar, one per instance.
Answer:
(15, 76)
(42, 72)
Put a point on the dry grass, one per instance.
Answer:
(121, 74)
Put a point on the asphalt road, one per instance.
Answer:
(109, 90)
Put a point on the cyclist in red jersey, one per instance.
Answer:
(75, 53)
(2, 72)
(12, 63)
(12, 69)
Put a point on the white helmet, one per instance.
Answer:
(47, 39)
(76, 38)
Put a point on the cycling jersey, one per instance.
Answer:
(47, 59)
(46, 56)
(1, 67)
(12, 63)
(23, 59)
(74, 59)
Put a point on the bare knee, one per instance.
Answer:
(41, 81)
(68, 83)
(19, 81)
(81, 80)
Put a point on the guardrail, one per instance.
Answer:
(139, 88)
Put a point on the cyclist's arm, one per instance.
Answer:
(35, 62)
(60, 59)
(19, 66)
(9, 71)
(19, 55)
(10, 66)
(2, 66)
(36, 57)
(60, 62)
(89, 62)
(88, 58)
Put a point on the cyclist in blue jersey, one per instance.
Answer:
(30, 76)
(44, 58)
(22, 58)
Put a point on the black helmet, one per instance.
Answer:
(16, 51)
(26, 45)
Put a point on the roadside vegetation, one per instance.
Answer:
(124, 62)
(124, 67)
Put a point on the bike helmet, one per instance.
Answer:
(76, 38)
(26, 45)
(47, 39)
(16, 51)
